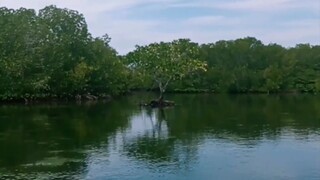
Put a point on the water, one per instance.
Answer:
(203, 137)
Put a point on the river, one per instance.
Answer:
(204, 136)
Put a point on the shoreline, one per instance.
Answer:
(57, 100)
(88, 98)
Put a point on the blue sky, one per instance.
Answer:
(132, 22)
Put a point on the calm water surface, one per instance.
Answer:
(203, 137)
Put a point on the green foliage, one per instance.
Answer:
(247, 65)
(53, 54)
(110, 74)
(166, 61)
(317, 85)
(240, 66)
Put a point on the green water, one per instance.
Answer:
(203, 137)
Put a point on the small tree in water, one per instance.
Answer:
(166, 61)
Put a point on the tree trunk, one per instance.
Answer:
(160, 100)
(162, 90)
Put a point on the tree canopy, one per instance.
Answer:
(51, 53)
(166, 61)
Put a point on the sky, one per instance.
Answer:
(140, 22)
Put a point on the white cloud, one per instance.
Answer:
(289, 37)
(126, 34)
(237, 18)
(254, 5)
(215, 21)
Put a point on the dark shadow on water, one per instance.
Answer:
(55, 138)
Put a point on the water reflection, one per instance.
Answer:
(235, 132)
(156, 146)
(228, 137)
(54, 140)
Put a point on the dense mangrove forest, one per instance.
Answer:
(50, 53)
(244, 108)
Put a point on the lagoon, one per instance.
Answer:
(205, 136)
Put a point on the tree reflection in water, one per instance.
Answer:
(158, 147)
(119, 140)
(54, 140)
